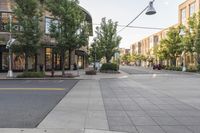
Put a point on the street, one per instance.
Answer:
(25, 103)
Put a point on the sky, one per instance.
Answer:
(124, 11)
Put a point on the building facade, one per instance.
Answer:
(45, 57)
(187, 10)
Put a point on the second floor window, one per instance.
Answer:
(192, 9)
(48, 22)
(183, 16)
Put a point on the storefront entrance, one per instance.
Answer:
(51, 59)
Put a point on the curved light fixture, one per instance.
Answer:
(150, 10)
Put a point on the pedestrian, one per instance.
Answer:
(41, 67)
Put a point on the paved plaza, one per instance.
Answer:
(139, 101)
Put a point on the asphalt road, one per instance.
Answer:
(25, 103)
(138, 70)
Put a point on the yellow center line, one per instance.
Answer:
(34, 89)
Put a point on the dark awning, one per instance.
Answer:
(80, 53)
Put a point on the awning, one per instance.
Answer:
(80, 53)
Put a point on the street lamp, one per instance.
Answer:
(150, 10)
(8, 46)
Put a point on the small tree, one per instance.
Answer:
(194, 24)
(127, 58)
(28, 16)
(107, 38)
(95, 52)
(71, 31)
(173, 44)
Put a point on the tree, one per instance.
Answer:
(161, 52)
(71, 30)
(107, 39)
(194, 25)
(95, 52)
(28, 15)
(127, 58)
(172, 44)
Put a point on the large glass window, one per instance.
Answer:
(192, 9)
(48, 22)
(48, 60)
(19, 62)
(183, 16)
(5, 61)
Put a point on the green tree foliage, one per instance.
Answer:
(107, 39)
(172, 44)
(28, 15)
(71, 31)
(161, 52)
(194, 25)
(127, 58)
(95, 53)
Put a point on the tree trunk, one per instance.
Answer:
(36, 62)
(107, 59)
(173, 61)
(198, 59)
(70, 52)
(63, 63)
(26, 63)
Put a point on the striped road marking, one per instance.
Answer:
(33, 89)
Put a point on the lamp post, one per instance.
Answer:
(8, 46)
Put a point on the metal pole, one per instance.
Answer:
(78, 69)
(10, 72)
(95, 58)
(184, 63)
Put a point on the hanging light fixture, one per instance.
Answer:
(150, 10)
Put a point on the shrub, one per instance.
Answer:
(198, 68)
(90, 72)
(173, 68)
(31, 75)
(191, 70)
(109, 67)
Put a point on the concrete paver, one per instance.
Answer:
(76, 110)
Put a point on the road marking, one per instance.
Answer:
(34, 89)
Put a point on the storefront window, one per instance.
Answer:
(4, 61)
(19, 62)
(48, 60)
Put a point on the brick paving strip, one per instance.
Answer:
(133, 108)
